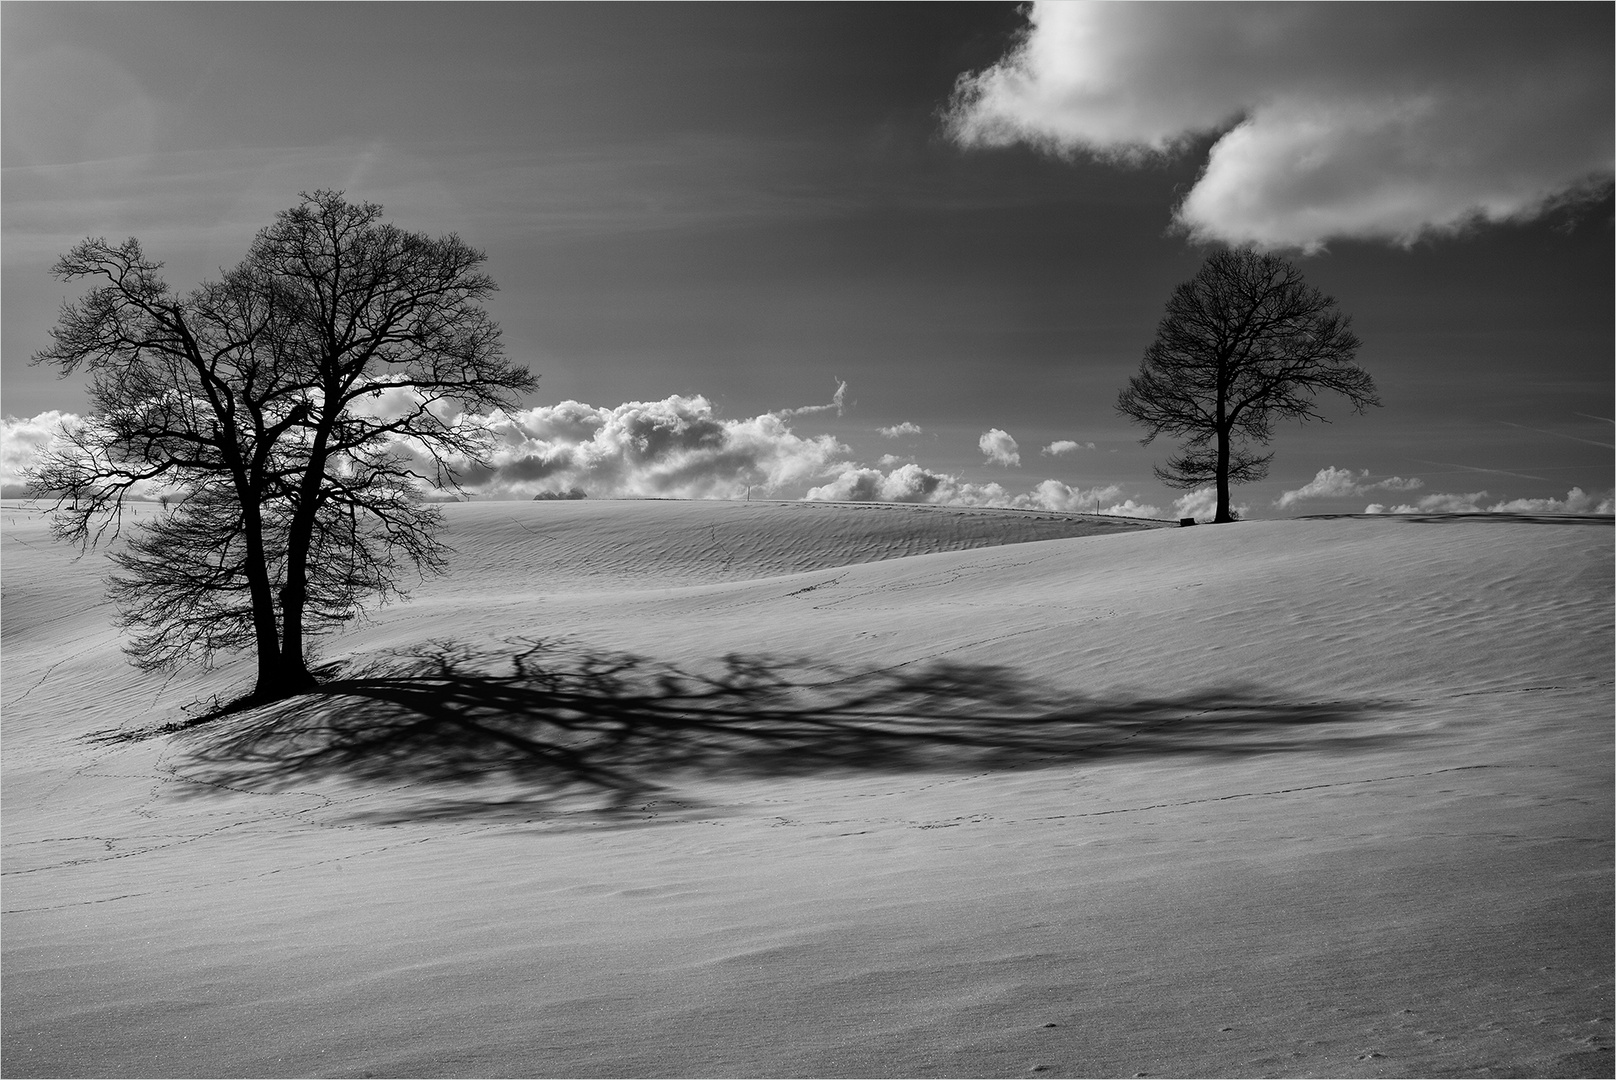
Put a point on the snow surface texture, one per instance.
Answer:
(701, 789)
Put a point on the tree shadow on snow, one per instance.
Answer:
(561, 722)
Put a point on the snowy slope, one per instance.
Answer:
(705, 789)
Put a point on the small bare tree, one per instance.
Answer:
(1245, 341)
(293, 409)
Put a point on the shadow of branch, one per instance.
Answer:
(560, 721)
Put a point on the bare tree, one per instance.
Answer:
(294, 409)
(1245, 341)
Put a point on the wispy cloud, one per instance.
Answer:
(1478, 469)
(1065, 446)
(898, 431)
(835, 405)
(999, 447)
(1328, 123)
(1561, 434)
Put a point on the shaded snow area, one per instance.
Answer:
(729, 789)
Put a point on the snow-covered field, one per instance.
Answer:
(713, 789)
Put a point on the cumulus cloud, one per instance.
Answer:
(1129, 508)
(999, 447)
(1065, 446)
(898, 431)
(909, 483)
(1333, 483)
(1576, 501)
(1330, 122)
(913, 483)
(1202, 505)
(1054, 495)
(674, 448)
(22, 440)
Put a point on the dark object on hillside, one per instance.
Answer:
(1244, 341)
(1185, 522)
(570, 493)
(272, 401)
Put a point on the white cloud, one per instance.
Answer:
(1332, 122)
(1129, 508)
(1576, 501)
(999, 447)
(1054, 495)
(22, 440)
(673, 448)
(1065, 446)
(1435, 504)
(909, 483)
(835, 404)
(1202, 505)
(913, 483)
(898, 431)
(1333, 483)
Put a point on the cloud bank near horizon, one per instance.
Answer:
(680, 448)
(677, 447)
(22, 441)
(1202, 505)
(912, 483)
(1327, 124)
(1576, 501)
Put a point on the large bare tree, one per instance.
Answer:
(292, 410)
(1244, 342)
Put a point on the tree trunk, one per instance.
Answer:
(1223, 515)
(293, 676)
(294, 673)
(265, 626)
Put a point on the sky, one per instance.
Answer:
(902, 252)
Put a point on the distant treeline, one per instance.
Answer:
(571, 493)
